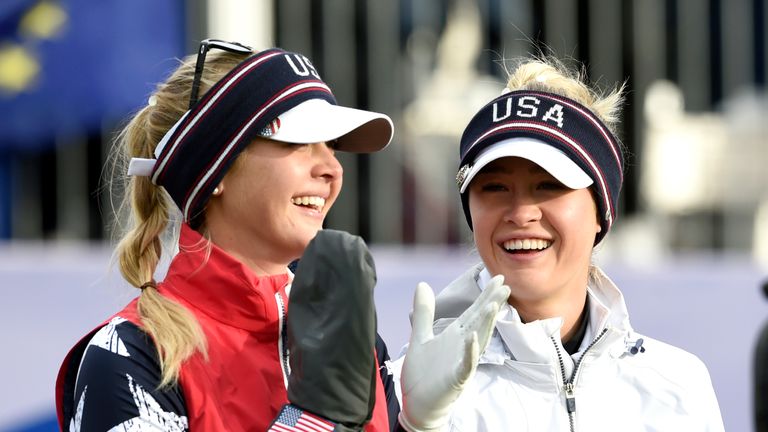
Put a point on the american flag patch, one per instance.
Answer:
(271, 128)
(293, 419)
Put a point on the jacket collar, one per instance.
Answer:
(213, 282)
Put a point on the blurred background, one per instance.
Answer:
(689, 250)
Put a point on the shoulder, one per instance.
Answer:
(673, 377)
(674, 369)
(672, 361)
(122, 350)
(121, 338)
(118, 382)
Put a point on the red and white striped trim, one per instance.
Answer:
(204, 110)
(606, 134)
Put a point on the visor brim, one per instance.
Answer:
(551, 159)
(316, 120)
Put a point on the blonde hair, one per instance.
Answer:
(548, 74)
(150, 212)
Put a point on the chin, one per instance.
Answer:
(305, 237)
(312, 232)
(525, 282)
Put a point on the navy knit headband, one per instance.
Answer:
(560, 122)
(203, 144)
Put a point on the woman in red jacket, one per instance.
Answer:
(239, 149)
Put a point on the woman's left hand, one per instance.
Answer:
(436, 367)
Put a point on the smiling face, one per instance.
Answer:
(273, 201)
(535, 231)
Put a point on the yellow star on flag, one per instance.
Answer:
(43, 21)
(18, 68)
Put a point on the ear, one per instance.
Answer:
(598, 219)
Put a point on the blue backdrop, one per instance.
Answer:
(68, 67)
(95, 61)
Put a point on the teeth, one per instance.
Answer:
(527, 244)
(314, 201)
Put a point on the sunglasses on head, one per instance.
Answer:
(205, 46)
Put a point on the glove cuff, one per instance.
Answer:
(407, 425)
(291, 417)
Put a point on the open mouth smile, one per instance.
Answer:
(526, 245)
(313, 202)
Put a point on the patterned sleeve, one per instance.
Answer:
(393, 406)
(117, 385)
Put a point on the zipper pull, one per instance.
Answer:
(570, 398)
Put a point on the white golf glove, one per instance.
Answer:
(436, 368)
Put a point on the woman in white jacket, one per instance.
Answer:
(539, 179)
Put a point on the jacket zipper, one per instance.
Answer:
(568, 384)
(282, 340)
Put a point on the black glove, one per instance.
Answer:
(332, 330)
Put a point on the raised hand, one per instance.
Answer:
(332, 331)
(436, 367)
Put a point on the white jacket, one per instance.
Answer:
(522, 379)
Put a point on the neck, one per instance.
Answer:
(260, 267)
(569, 309)
(254, 256)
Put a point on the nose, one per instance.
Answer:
(327, 165)
(522, 209)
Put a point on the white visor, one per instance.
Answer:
(553, 160)
(316, 120)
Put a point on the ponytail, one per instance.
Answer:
(148, 209)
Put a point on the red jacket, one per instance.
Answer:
(243, 384)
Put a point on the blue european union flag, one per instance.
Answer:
(69, 66)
